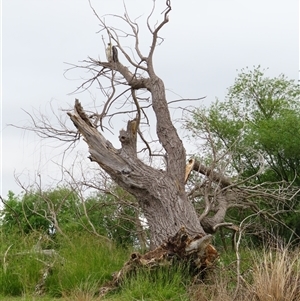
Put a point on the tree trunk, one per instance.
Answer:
(160, 194)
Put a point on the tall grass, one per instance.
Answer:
(19, 270)
(85, 263)
(277, 276)
(270, 276)
(165, 283)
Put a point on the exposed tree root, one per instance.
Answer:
(197, 252)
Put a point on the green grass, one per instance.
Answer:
(168, 283)
(86, 262)
(29, 298)
(19, 270)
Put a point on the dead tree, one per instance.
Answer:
(161, 193)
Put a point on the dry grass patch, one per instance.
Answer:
(277, 277)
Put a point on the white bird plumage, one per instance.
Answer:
(109, 52)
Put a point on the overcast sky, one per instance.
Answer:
(206, 42)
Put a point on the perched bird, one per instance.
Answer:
(109, 52)
(112, 53)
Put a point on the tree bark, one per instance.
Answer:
(160, 194)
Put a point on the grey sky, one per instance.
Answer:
(206, 42)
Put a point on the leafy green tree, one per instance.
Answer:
(255, 133)
(260, 115)
(41, 211)
(112, 214)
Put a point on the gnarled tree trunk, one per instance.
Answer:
(160, 193)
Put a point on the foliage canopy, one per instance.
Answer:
(255, 135)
